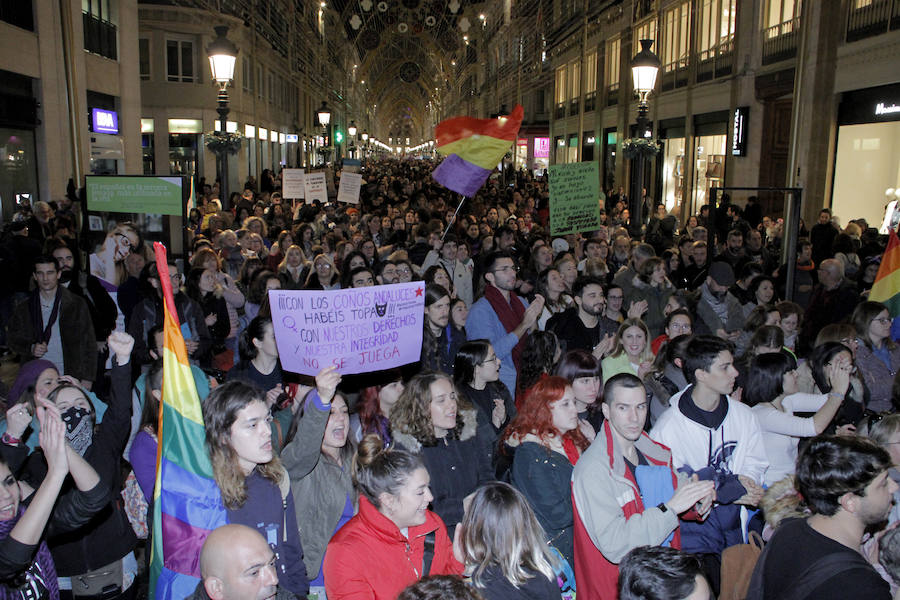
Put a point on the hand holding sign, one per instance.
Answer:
(326, 383)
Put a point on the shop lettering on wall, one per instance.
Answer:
(104, 121)
(884, 109)
(739, 131)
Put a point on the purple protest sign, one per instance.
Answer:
(357, 330)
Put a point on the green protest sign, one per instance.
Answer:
(146, 195)
(574, 197)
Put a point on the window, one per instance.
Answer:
(144, 58)
(779, 12)
(260, 81)
(645, 31)
(560, 85)
(590, 72)
(574, 79)
(100, 32)
(611, 73)
(676, 37)
(18, 13)
(715, 27)
(180, 61)
(246, 74)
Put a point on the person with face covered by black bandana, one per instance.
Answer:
(95, 560)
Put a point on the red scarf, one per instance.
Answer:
(510, 314)
(571, 451)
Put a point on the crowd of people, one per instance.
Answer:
(607, 413)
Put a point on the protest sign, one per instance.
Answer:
(349, 189)
(574, 197)
(292, 183)
(315, 187)
(351, 165)
(357, 330)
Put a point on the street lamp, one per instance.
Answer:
(351, 131)
(644, 68)
(222, 55)
(324, 115)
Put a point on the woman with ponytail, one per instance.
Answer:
(394, 540)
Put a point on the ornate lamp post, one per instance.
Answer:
(644, 68)
(365, 139)
(222, 56)
(351, 143)
(324, 115)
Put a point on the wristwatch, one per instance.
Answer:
(662, 506)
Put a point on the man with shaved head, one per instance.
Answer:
(236, 563)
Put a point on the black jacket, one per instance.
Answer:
(497, 587)
(108, 536)
(100, 305)
(572, 334)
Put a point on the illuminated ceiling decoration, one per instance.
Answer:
(405, 50)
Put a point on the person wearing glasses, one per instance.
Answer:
(149, 313)
(108, 262)
(502, 317)
(877, 357)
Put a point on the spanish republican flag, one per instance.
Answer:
(187, 504)
(473, 147)
(886, 288)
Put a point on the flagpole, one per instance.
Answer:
(453, 220)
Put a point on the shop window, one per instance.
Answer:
(676, 46)
(147, 152)
(673, 174)
(18, 13)
(180, 61)
(18, 169)
(144, 58)
(709, 167)
(183, 153)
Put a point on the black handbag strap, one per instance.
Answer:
(428, 555)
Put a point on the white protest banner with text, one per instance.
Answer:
(293, 183)
(349, 190)
(357, 330)
(315, 187)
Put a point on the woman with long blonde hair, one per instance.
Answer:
(502, 545)
(108, 262)
(292, 268)
(632, 353)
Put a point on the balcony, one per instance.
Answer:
(716, 61)
(560, 112)
(590, 101)
(99, 36)
(675, 75)
(612, 94)
(780, 41)
(872, 17)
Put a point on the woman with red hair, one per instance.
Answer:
(547, 443)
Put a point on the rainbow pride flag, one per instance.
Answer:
(473, 147)
(886, 288)
(187, 504)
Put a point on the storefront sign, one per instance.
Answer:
(574, 194)
(886, 109)
(542, 147)
(292, 138)
(521, 141)
(104, 121)
(357, 330)
(739, 131)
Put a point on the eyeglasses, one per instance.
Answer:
(125, 240)
(403, 271)
(680, 327)
(492, 359)
(882, 320)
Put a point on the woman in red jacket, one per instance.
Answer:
(381, 550)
